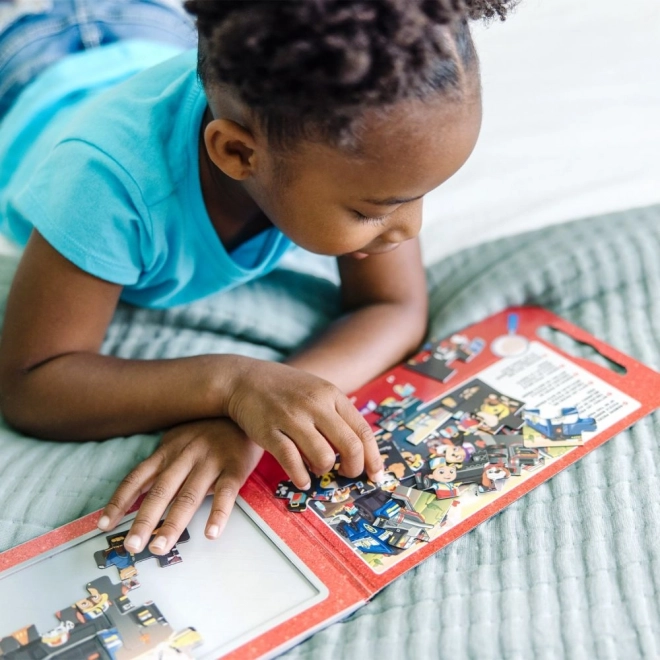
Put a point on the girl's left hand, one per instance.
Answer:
(192, 460)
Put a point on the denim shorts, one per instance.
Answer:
(37, 33)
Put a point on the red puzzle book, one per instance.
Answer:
(467, 426)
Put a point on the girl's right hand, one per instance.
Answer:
(302, 419)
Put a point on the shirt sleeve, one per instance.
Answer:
(90, 209)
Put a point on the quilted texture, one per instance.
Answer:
(569, 571)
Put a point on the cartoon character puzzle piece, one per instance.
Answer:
(369, 539)
(297, 499)
(439, 477)
(124, 561)
(432, 509)
(436, 358)
(493, 478)
(394, 461)
(389, 510)
(329, 487)
(555, 427)
(510, 451)
(105, 624)
(427, 423)
(411, 419)
(334, 488)
(384, 522)
(395, 413)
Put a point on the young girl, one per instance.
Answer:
(320, 123)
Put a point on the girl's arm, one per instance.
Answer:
(386, 306)
(54, 384)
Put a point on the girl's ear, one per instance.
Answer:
(231, 147)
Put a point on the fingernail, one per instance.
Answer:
(158, 543)
(133, 543)
(212, 531)
(379, 476)
(103, 523)
(307, 486)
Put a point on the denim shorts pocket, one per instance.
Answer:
(148, 19)
(13, 10)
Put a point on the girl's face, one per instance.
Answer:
(333, 202)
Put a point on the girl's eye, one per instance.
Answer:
(371, 220)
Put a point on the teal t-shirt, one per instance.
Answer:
(103, 161)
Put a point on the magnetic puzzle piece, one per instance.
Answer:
(397, 412)
(426, 424)
(559, 424)
(441, 490)
(477, 407)
(404, 390)
(124, 561)
(411, 419)
(533, 438)
(330, 488)
(493, 479)
(103, 625)
(433, 368)
(333, 488)
(388, 522)
(387, 512)
(510, 451)
(368, 538)
(368, 407)
(477, 395)
(432, 509)
(437, 358)
(393, 460)
(512, 423)
(297, 499)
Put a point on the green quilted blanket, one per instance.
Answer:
(572, 570)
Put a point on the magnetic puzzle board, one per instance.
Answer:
(465, 427)
(254, 576)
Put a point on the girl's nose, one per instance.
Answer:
(406, 226)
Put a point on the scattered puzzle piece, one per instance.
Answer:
(464, 443)
(104, 624)
(555, 427)
(437, 358)
(124, 561)
(297, 499)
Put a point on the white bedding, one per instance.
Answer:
(571, 123)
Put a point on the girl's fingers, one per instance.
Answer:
(226, 492)
(287, 455)
(317, 452)
(346, 443)
(185, 504)
(373, 463)
(131, 487)
(153, 506)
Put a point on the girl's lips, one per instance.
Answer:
(358, 255)
(363, 254)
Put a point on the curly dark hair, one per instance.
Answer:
(309, 68)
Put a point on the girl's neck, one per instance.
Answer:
(233, 213)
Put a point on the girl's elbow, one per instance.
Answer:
(15, 406)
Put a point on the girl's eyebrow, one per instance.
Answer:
(392, 201)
